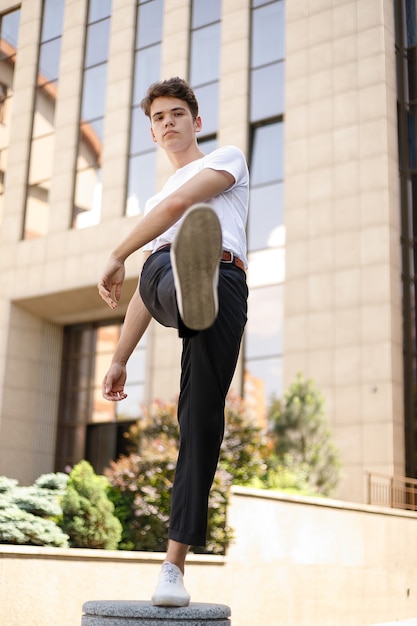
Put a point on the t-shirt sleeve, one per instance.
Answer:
(229, 159)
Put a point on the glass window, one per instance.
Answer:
(147, 67)
(204, 67)
(10, 28)
(267, 159)
(208, 145)
(149, 30)
(268, 34)
(266, 229)
(88, 190)
(41, 161)
(204, 12)
(89, 426)
(266, 216)
(264, 327)
(266, 267)
(97, 43)
(49, 58)
(88, 184)
(53, 17)
(141, 137)
(205, 55)
(94, 89)
(142, 181)
(142, 151)
(98, 10)
(267, 92)
(263, 379)
(208, 97)
(263, 347)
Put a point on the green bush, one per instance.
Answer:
(28, 515)
(88, 514)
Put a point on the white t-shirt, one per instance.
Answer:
(231, 206)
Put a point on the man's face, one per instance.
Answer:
(172, 125)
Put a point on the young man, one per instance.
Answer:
(193, 279)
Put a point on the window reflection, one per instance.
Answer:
(266, 266)
(205, 55)
(87, 353)
(94, 89)
(263, 383)
(98, 10)
(49, 58)
(142, 151)
(268, 34)
(266, 216)
(208, 97)
(43, 129)
(97, 43)
(9, 29)
(88, 184)
(147, 67)
(204, 12)
(263, 336)
(149, 31)
(142, 181)
(267, 94)
(266, 230)
(267, 159)
(204, 70)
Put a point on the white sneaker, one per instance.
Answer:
(170, 590)
(195, 257)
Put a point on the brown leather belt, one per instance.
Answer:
(226, 257)
(229, 257)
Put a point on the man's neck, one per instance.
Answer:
(181, 158)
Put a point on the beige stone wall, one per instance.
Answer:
(342, 291)
(295, 562)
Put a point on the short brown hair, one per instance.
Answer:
(176, 88)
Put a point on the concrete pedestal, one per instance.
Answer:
(130, 613)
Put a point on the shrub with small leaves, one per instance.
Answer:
(28, 515)
(88, 514)
(23, 528)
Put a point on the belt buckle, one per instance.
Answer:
(232, 257)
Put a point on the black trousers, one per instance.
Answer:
(208, 363)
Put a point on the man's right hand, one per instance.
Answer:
(110, 284)
(114, 383)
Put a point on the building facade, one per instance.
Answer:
(311, 92)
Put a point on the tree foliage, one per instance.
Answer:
(88, 514)
(303, 437)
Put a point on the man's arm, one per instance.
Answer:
(135, 324)
(205, 185)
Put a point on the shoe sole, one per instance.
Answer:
(195, 256)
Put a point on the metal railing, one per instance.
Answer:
(397, 492)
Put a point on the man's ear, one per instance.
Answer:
(153, 135)
(198, 124)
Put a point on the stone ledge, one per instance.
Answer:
(140, 613)
(406, 622)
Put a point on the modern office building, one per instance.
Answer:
(321, 96)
